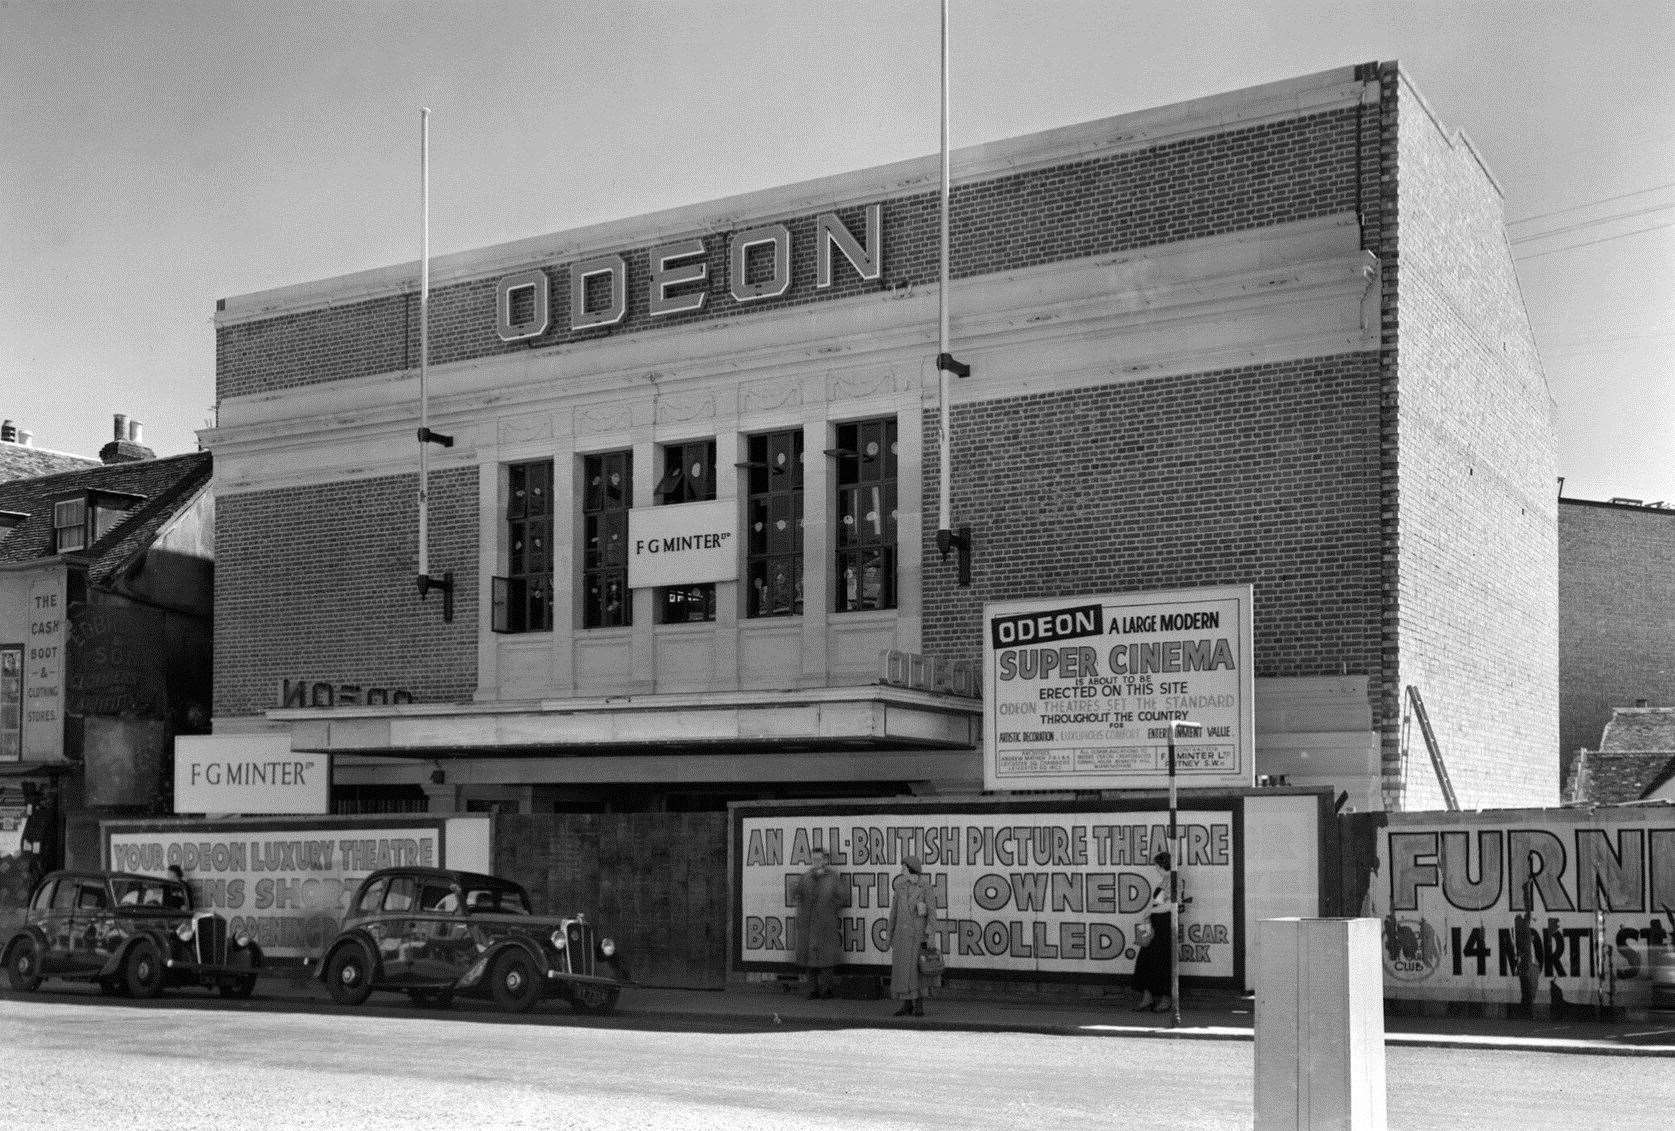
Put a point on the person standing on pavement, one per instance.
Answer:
(1152, 966)
(912, 906)
(821, 893)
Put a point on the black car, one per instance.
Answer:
(130, 934)
(433, 933)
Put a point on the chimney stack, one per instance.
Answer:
(126, 447)
(25, 437)
(8, 432)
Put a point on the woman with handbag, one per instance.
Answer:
(1156, 938)
(912, 905)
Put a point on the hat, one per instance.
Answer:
(911, 863)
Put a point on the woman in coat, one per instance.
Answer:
(821, 894)
(912, 906)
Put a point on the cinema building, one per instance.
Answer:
(688, 514)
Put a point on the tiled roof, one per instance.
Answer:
(1636, 755)
(1640, 729)
(19, 461)
(1609, 779)
(166, 484)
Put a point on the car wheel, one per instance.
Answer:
(143, 972)
(242, 985)
(23, 965)
(514, 982)
(598, 1000)
(435, 999)
(349, 975)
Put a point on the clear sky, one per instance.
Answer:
(156, 155)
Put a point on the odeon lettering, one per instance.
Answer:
(678, 276)
(319, 693)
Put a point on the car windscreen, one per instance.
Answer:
(505, 901)
(148, 892)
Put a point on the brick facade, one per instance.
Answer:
(317, 584)
(1232, 181)
(1266, 475)
(1616, 615)
(1476, 560)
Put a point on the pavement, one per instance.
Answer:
(1206, 1017)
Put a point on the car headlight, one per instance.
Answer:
(558, 939)
(184, 931)
(607, 947)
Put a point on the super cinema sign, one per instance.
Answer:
(679, 276)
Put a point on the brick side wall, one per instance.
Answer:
(1267, 474)
(318, 583)
(1616, 616)
(1236, 180)
(1478, 559)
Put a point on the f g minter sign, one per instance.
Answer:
(249, 773)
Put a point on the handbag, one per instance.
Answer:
(930, 963)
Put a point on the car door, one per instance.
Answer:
(51, 911)
(393, 928)
(89, 923)
(439, 936)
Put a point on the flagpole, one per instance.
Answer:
(945, 466)
(946, 539)
(445, 583)
(424, 348)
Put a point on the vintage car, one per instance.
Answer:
(130, 934)
(433, 933)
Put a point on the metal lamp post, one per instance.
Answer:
(1174, 880)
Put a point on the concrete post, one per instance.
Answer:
(1319, 1024)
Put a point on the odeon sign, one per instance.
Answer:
(681, 264)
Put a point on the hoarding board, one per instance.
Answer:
(1079, 692)
(287, 883)
(1473, 903)
(1043, 893)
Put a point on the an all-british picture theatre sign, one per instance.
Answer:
(1079, 692)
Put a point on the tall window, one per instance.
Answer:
(774, 540)
(607, 492)
(865, 573)
(523, 599)
(688, 477)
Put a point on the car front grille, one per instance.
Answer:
(211, 932)
(579, 946)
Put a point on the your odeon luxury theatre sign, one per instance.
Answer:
(679, 276)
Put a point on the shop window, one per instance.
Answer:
(865, 563)
(11, 702)
(774, 535)
(688, 477)
(523, 599)
(607, 493)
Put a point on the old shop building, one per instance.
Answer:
(105, 640)
(1271, 337)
